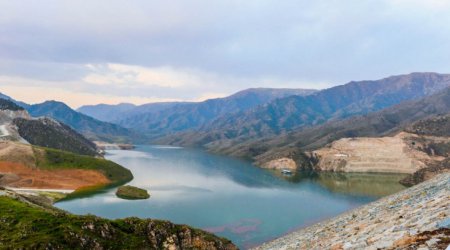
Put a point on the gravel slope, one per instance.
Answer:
(418, 217)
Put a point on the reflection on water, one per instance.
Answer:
(365, 184)
(229, 197)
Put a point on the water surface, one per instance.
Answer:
(228, 197)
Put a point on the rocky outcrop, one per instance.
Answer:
(282, 163)
(385, 154)
(30, 225)
(414, 218)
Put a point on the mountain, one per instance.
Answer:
(17, 125)
(165, 118)
(105, 112)
(425, 114)
(21, 104)
(298, 112)
(91, 128)
(46, 132)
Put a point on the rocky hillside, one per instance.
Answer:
(166, 118)
(26, 225)
(89, 127)
(434, 126)
(17, 125)
(49, 133)
(386, 122)
(298, 112)
(416, 218)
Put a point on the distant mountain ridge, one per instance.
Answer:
(389, 121)
(17, 125)
(91, 128)
(296, 112)
(177, 117)
(156, 119)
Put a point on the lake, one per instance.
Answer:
(229, 197)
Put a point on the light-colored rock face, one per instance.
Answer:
(6, 116)
(7, 130)
(410, 219)
(282, 163)
(384, 155)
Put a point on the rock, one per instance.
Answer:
(413, 218)
(282, 163)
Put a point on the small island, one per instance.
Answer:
(132, 193)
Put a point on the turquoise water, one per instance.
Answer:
(228, 197)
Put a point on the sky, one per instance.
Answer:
(110, 51)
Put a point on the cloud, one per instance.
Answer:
(33, 91)
(130, 76)
(183, 49)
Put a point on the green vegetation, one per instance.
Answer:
(27, 226)
(132, 193)
(56, 159)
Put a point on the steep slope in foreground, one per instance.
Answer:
(297, 112)
(91, 128)
(183, 116)
(416, 217)
(27, 226)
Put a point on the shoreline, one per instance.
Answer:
(63, 191)
(390, 222)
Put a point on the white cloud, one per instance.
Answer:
(32, 91)
(134, 76)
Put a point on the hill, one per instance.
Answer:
(89, 127)
(26, 225)
(17, 125)
(163, 118)
(298, 112)
(49, 133)
(293, 144)
(29, 166)
(105, 112)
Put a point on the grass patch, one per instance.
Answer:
(132, 193)
(25, 226)
(56, 159)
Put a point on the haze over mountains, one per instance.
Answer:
(296, 112)
(86, 125)
(162, 118)
(241, 122)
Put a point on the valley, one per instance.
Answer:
(309, 155)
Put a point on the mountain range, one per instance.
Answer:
(253, 122)
(293, 113)
(90, 127)
(160, 119)
(385, 122)
(17, 125)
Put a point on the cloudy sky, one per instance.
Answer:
(88, 52)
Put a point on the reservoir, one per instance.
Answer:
(230, 197)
